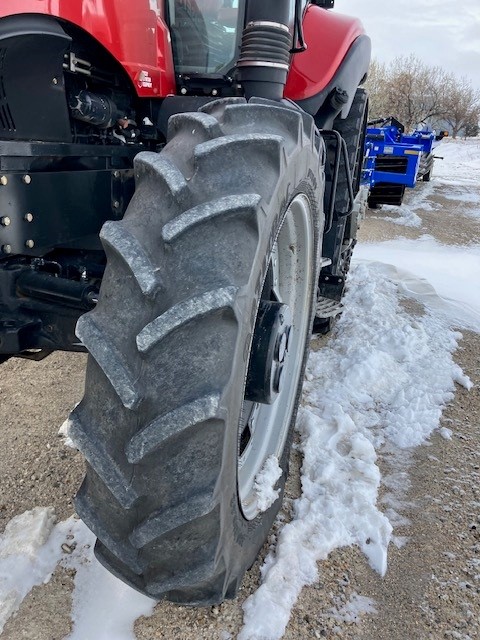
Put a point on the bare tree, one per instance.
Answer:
(375, 85)
(415, 91)
(461, 105)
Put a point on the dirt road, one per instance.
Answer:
(432, 587)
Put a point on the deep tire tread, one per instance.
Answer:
(222, 207)
(166, 521)
(115, 237)
(170, 425)
(195, 122)
(164, 171)
(102, 462)
(108, 357)
(182, 313)
(87, 511)
(199, 575)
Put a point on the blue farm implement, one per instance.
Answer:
(395, 160)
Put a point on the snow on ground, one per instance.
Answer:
(352, 610)
(379, 387)
(31, 548)
(28, 557)
(406, 215)
(450, 275)
(461, 162)
(104, 608)
(380, 383)
(265, 482)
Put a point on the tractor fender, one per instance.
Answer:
(337, 57)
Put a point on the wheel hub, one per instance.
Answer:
(269, 351)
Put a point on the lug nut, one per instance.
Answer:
(27, 179)
(28, 217)
(7, 248)
(5, 221)
(4, 180)
(30, 244)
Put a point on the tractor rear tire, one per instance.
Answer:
(225, 222)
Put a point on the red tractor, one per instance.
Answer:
(177, 184)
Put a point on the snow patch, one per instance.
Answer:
(104, 608)
(31, 548)
(29, 553)
(265, 482)
(352, 611)
(440, 276)
(64, 432)
(460, 164)
(405, 216)
(446, 433)
(26, 533)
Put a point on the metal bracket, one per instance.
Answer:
(341, 152)
(328, 278)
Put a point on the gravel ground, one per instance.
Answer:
(432, 587)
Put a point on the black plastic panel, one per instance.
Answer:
(32, 93)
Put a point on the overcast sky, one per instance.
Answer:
(439, 32)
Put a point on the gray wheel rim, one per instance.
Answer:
(291, 262)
